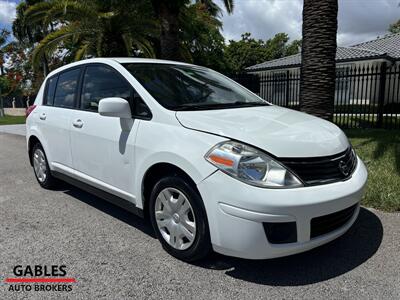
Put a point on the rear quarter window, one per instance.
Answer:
(65, 93)
(50, 90)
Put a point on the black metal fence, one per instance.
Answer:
(366, 96)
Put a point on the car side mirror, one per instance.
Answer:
(115, 107)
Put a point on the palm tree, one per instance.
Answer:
(168, 12)
(93, 28)
(317, 84)
(28, 34)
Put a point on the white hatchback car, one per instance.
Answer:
(211, 164)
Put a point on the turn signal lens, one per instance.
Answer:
(221, 161)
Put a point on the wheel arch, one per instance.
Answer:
(155, 173)
(32, 141)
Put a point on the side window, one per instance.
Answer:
(101, 82)
(51, 88)
(140, 108)
(66, 88)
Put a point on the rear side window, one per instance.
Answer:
(101, 82)
(66, 88)
(51, 88)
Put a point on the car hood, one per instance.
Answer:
(281, 132)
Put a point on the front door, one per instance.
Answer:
(103, 147)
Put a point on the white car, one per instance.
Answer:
(213, 166)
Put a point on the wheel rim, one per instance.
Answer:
(175, 218)
(39, 165)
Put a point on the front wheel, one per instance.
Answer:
(178, 216)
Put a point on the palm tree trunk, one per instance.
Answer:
(317, 83)
(169, 37)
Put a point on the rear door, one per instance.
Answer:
(55, 117)
(103, 147)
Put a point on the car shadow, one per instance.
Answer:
(108, 208)
(328, 261)
(331, 260)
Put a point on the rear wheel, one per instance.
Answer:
(41, 167)
(178, 216)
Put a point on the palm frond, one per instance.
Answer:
(229, 5)
(145, 46)
(82, 52)
(51, 42)
(99, 44)
(127, 38)
(37, 13)
(71, 11)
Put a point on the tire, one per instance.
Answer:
(39, 160)
(177, 225)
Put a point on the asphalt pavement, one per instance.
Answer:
(113, 254)
(18, 129)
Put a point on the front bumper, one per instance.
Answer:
(236, 212)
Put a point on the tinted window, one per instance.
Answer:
(51, 88)
(66, 88)
(183, 87)
(140, 108)
(101, 82)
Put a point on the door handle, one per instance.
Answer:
(42, 116)
(78, 123)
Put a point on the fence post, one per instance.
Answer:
(287, 88)
(381, 97)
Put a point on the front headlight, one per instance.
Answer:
(251, 166)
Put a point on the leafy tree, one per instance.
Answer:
(5, 85)
(29, 34)
(395, 27)
(202, 41)
(317, 83)
(25, 79)
(8, 79)
(249, 51)
(278, 46)
(168, 12)
(92, 28)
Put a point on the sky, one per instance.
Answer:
(359, 20)
(7, 13)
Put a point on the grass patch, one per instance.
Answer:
(10, 120)
(366, 121)
(380, 151)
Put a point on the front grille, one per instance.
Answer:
(328, 223)
(323, 170)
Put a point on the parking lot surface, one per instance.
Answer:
(114, 254)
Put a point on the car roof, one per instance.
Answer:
(121, 60)
(124, 60)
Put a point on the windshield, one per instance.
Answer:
(181, 87)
